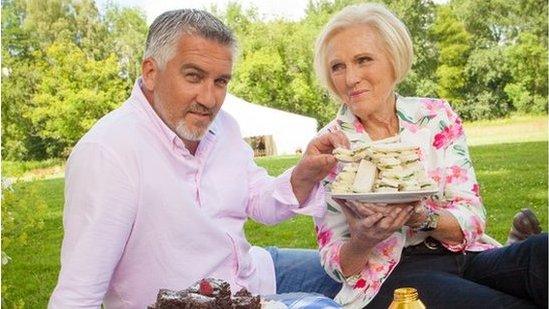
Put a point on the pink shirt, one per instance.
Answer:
(142, 213)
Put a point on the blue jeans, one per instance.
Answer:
(514, 276)
(299, 270)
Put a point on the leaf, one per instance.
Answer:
(333, 209)
(460, 150)
(337, 275)
(442, 125)
(467, 162)
(403, 117)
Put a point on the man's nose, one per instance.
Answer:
(206, 96)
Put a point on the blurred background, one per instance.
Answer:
(66, 63)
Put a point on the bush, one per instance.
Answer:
(22, 214)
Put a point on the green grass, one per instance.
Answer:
(516, 129)
(17, 169)
(511, 175)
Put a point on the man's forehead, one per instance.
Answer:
(204, 53)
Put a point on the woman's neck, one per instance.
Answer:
(383, 123)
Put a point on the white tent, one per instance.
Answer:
(290, 132)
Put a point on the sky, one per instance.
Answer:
(267, 9)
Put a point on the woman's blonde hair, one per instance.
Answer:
(389, 28)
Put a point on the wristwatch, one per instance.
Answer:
(430, 223)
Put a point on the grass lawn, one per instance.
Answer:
(511, 175)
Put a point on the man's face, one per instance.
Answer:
(189, 91)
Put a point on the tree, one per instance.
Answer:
(528, 64)
(486, 76)
(453, 42)
(502, 20)
(34, 32)
(127, 32)
(74, 92)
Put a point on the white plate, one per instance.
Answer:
(386, 197)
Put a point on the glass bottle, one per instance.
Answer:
(406, 298)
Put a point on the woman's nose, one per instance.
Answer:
(352, 77)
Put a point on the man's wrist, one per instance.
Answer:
(301, 188)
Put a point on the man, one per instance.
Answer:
(157, 192)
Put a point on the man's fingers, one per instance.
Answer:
(327, 142)
(324, 161)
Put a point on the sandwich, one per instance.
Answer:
(387, 185)
(365, 176)
(343, 154)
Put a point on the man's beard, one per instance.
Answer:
(185, 133)
(181, 127)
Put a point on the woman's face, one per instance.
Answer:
(360, 69)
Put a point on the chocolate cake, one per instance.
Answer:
(251, 302)
(206, 293)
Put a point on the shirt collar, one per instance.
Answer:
(141, 101)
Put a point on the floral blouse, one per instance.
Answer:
(432, 125)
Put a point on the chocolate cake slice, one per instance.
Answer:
(243, 293)
(168, 299)
(205, 294)
(216, 288)
(246, 302)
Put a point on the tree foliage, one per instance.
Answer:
(65, 63)
(64, 66)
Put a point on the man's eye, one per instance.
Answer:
(193, 77)
(222, 82)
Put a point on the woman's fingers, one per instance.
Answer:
(393, 221)
(349, 213)
(403, 217)
(360, 209)
(378, 207)
(370, 221)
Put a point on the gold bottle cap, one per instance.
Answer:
(406, 294)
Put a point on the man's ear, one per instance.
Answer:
(148, 73)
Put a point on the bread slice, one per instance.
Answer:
(395, 147)
(365, 176)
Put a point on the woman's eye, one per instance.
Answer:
(336, 67)
(364, 59)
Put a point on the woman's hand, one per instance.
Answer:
(370, 224)
(419, 214)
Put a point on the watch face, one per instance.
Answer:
(431, 224)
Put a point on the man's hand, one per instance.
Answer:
(316, 163)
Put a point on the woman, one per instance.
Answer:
(438, 245)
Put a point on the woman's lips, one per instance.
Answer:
(357, 93)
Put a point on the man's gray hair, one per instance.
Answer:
(166, 30)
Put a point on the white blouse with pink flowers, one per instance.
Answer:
(432, 125)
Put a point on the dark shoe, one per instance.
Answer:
(525, 223)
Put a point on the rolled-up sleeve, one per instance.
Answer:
(272, 200)
(100, 208)
(461, 190)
